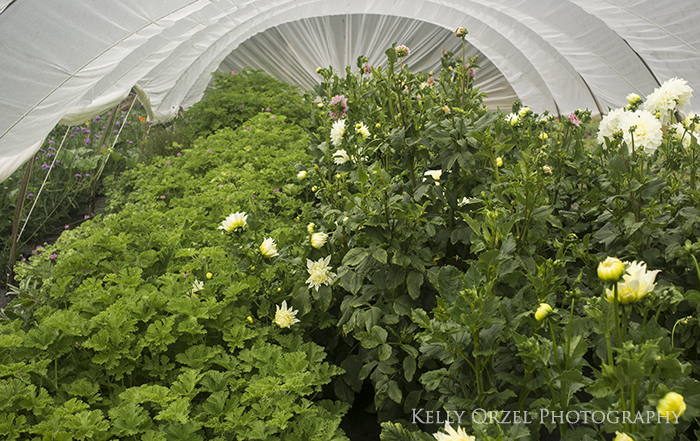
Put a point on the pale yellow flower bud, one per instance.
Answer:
(318, 240)
(619, 436)
(499, 162)
(310, 227)
(611, 269)
(671, 407)
(210, 275)
(543, 311)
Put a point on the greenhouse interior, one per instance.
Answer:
(395, 220)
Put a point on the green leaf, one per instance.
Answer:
(394, 392)
(384, 352)
(414, 281)
(355, 256)
(409, 368)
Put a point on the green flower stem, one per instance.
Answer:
(608, 345)
(656, 432)
(617, 317)
(525, 391)
(554, 343)
(562, 427)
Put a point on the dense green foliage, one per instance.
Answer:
(114, 338)
(460, 251)
(237, 97)
(69, 164)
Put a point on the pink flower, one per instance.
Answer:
(574, 119)
(179, 154)
(368, 69)
(53, 256)
(338, 107)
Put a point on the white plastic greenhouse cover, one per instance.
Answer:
(64, 61)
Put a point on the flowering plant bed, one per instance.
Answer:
(489, 275)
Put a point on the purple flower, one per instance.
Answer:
(272, 116)
(87, 216)
(87, 141)
(208, 150)
(78, 175)
(241, 106)
(247, 128)
(368, 69)
(338, 107)
(574, 119)
(45, 166)
(276, 190)
(65, 227)
(162, 196)
(51, 142)
(30, 195)
(471, 72)
(131, 142)
(72, 136)
(179, 154)
(267, 110)
(87, 175)
(53, 256)
(52, 149)
(97, 118)
(42, 150)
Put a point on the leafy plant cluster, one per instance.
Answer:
(451, 225)
(236, 97)
(71, 162)
(462, 248)
(153, 324)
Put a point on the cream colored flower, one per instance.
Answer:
(610, 124)
(310, 227)
(196, 287)
(269, 248)
(234, 221)
(499, 162)
(543, 136)
(362, 129)
(319, 272)
(460, 32)
(301, 174)
(547, 169)
(465, 200)
(341, 157)
(524, 111)
(619, 436)
(636, 283)
(513, 119)
(284, 316)
(337, 132)
(674, 93)
(435, 174)
(318, 240)
(671, 407)
(453, 435)
(647, 130)
(543, 311)
(611, 269)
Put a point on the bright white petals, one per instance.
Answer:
(233, 221)
(647, 130)
(269, 248)
(319, 272)
(337, 132)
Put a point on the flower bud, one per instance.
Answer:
(611, 269)
(460, 32)
(210, 275)
(543, 311)
(671, 407)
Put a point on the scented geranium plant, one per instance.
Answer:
(169, 317)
